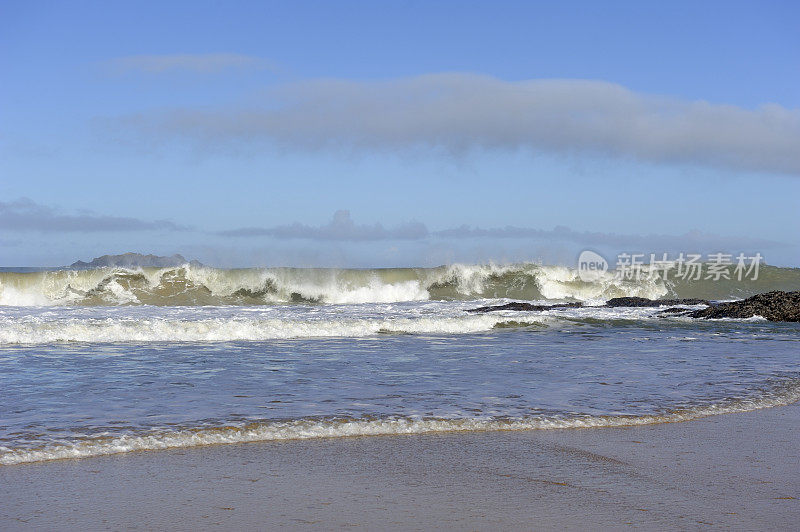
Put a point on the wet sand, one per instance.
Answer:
(737, 471)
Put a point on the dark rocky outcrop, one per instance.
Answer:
(774, 306)
(615, 302)
(133, 260)
(644, 302)
(524, 307)
(675, 311)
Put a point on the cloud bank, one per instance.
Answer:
(341, 227)
(26, 215)
(455, 113)
(689, 241)
(201, 63)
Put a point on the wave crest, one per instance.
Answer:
(197, 285)
(193, 285)
(169, 328)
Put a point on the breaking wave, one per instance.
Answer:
(38, 330)
(196, 285)
(340, 428)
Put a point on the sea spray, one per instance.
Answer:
(190, 285)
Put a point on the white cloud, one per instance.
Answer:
(456, 113)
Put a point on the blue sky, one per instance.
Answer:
(234, 132)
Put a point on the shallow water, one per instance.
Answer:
(83, 381)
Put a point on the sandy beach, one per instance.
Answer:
(730, 471)
(477, 266)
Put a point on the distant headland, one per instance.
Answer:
(134, 260)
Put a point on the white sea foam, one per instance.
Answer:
(564, 283)
(145, 323)
(40, 330)
(333, 428)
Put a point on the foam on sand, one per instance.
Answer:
(341, 428)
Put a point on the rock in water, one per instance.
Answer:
(524, 307)
(774, 306)
(644, 302)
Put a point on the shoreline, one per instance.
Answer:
(732, 470)
(302, 430)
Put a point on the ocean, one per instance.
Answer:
(113, 360)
